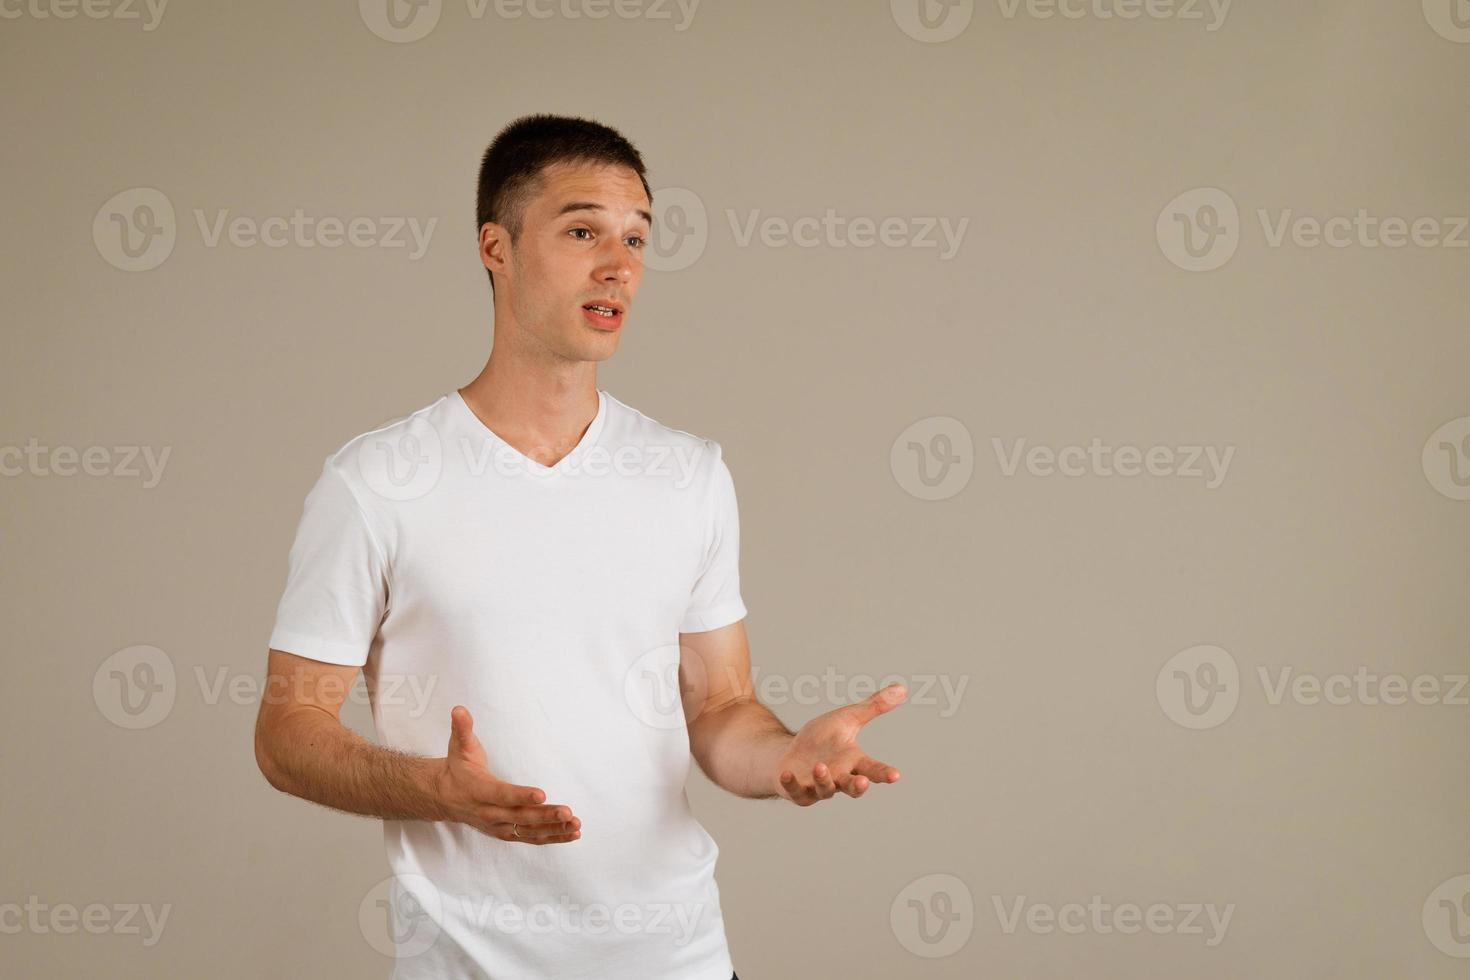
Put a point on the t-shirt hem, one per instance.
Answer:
(312, 648)
(713, 618)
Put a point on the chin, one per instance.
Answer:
(593, 349)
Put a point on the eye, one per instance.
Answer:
(637, 241)
(575, 230)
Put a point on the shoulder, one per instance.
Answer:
(697, 457)
(396, 460)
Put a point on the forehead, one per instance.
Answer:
(615, 188)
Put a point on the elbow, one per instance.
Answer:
(265, 761)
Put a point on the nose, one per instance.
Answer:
(614, 264)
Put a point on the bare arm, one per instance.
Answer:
(735, 739)
(742, 747)
(303, 749)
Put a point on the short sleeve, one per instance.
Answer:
(337, 582)
(715, 598)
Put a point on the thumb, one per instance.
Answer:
(462, 738)
(879, 703)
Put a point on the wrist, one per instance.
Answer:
(436, 782)
(778, 766)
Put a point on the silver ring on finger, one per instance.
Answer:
(515, 829)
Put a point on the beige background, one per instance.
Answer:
(1060, 773)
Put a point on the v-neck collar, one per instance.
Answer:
(589, 438)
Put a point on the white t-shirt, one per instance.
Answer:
(549, 601)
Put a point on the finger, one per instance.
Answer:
(497, 792)
(522, 834)
(853, 785)
(795, 791)
(529, 816)
(878, 772)
(822, 781)
(538, 831)
(879, 703)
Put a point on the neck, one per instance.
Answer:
(541, 409)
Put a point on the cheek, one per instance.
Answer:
(561, 275)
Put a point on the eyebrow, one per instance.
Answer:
(594, 206)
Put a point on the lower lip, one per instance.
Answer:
(603, 322)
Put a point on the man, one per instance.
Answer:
(556, 575)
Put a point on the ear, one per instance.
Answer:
(494, 247)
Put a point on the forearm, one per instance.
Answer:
(310, 754)
(739, 745)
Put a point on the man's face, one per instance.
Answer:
(581, 243)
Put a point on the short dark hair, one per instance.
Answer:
(511, 170)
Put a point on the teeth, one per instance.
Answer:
(602, 310)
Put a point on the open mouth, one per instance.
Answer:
(603, 315)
